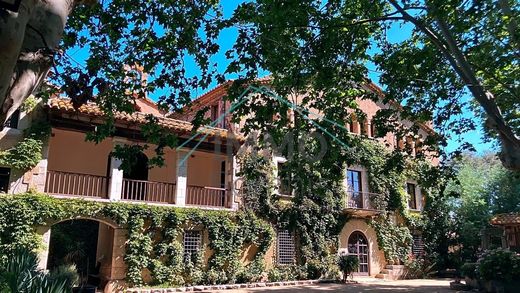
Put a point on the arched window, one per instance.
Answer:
(358, 246)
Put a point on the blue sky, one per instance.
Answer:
(228, 37)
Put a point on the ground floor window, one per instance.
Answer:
(4, 179)
(191, 244)
(358, 246)
(285, 248)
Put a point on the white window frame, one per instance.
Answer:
(279, 160)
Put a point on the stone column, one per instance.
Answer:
(116, 282)
(43, 253)
(182, 178)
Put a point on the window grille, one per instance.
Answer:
(192, 241)
(285, 248)
(418, 245)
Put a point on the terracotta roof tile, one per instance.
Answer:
(503, 219)
(64, 106)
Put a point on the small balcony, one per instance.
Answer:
(360, 203)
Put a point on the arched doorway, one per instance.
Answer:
(88, 244)
(134, 180)
(358, 246)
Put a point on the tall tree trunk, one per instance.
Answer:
(29, 40)
(510, 143)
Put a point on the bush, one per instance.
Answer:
(469, 270)
(417, 268)
(252, 272)
(348, 264)
(287, 273)
(326, 268)
(500, 265)
(20, 274)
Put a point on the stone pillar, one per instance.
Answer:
(182, 178)
(37, 177)
(116, 282)
(43, 253)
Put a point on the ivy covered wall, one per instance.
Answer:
(154, 237)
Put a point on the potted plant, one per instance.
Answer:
(348, 264)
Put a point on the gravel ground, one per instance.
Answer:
(364, 285)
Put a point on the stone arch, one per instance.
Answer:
(114, 235)
(376, 256)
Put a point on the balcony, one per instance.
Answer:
(148, 191)
(359, 203)
(76, 184)
(80, 185)
(77, 168)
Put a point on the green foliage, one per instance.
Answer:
(469, 270)
(417, 268)
(27, 153)
(228, 233)
(394, 240)
(500, 265)
(348, 264)
(286, 273)
(19, 274)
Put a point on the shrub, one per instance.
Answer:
(500, 265)
(469, 270)
(287, 273)
(348, 264)
(20, 274)
(417, 268)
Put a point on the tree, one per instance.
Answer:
(455, 48)
(322, 49)
(482, 188)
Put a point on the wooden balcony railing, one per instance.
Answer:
(67, 183)
(206, 196)
(148, 191)
(360, 199)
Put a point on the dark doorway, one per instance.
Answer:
(135, 180)
(358, 246)
(74, 242)
(4, 179)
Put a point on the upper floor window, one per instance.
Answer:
(412, 195)
(372, 129)
(4, 179)
(354, 189)
(191, 244)
(284, 178)
(285, 248)
(12, 122)
(214, 113)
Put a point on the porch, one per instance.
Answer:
(77, 168)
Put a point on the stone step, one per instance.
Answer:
(383, 276)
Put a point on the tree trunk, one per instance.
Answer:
(510, 143)
(29, 39)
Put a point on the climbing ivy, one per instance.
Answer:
(316, 211)
(229, 233)
(27, 153)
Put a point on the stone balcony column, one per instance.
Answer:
(182, 178)
(116, 175)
